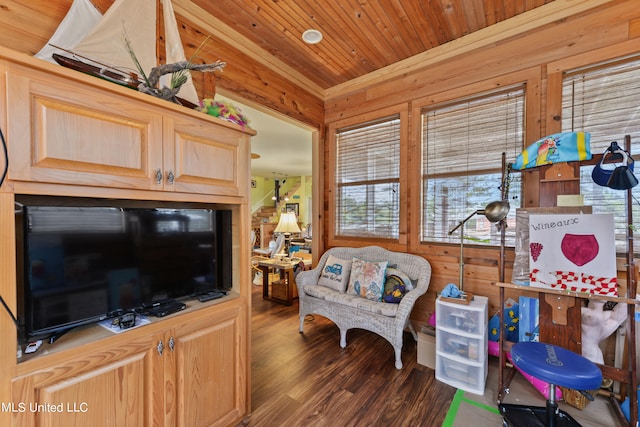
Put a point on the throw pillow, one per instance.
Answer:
(394, 289)
(408, 283)
(335, 274)
(367, 279)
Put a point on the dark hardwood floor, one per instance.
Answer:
(308, 380)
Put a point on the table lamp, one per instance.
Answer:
(288, 224)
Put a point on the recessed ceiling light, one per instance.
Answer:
(312, 36)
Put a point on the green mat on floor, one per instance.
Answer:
(458, 404)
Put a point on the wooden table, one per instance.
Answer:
(283, 290)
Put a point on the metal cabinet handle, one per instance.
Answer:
(172, 343)
(171, 177)
(160, 347)
(158, 176)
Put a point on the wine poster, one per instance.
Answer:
(574, 252)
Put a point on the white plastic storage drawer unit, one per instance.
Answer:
(461, 344)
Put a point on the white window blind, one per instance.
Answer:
(604, 100)
(462, 146)
(368, 179)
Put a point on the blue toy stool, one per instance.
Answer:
(556, 366)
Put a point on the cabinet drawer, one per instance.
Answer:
(470, 319)
(465, 376)
(470, 348)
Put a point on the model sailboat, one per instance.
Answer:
(97, 44)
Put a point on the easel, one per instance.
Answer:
(561, 317)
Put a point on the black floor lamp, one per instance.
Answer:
(622, 178)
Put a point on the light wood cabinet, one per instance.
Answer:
(73, 135)
(191, 374)
(209, 362)
(120, 386)
(203, 160)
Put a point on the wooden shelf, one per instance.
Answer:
(567, 293)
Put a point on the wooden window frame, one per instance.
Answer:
(331, 191)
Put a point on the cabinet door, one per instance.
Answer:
(62, 131)
(211, 374)
(204, 157)
(121, 386)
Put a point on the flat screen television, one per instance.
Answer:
(82, 264)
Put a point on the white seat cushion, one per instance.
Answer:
(355, 301)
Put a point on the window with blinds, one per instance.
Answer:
(462, 146)
(368, 179)
(604, 100)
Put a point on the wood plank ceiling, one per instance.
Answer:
(359, 36)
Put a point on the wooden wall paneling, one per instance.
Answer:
(433, 86)
(414, 170)
(553, 105)
(629, 47)
(518, 25)
(535, 103)
(531, 188)
(634, 28)
(481, 271)
(328, 184)
(405, 205)
(317, 190)
(252, 74)
(26, 26)
(555, 41)
(248, 78)
(330, 191)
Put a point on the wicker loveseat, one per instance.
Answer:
(350, 311)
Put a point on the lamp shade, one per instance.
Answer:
(287, 223)
(622, 178)
(497, 211)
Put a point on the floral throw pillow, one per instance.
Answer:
(367, 279)
(335, 274)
